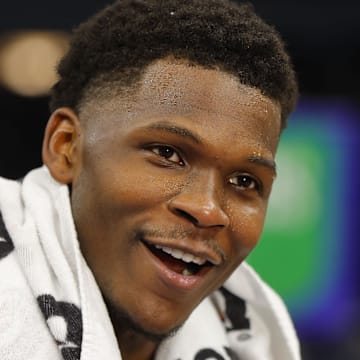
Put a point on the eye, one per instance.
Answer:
(168, 153)
(244, 182)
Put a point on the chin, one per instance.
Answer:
(154, 329)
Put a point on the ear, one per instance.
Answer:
(62, 144)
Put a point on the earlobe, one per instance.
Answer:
(61, 145)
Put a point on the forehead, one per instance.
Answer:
(211, 98)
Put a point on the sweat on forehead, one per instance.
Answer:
(118, 43)
(166, 81)
(176, 90)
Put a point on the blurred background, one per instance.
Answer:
(310, 248)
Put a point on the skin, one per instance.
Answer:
(187, 161)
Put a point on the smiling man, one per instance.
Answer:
(159, 161)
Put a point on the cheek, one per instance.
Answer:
(246, 225)
(128, 185)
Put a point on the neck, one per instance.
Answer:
(134, 346)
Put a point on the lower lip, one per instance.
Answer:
(174, 279)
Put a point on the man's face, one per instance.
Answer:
(172, 187)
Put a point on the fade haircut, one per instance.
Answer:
(114, 47)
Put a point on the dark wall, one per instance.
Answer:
(323, 36)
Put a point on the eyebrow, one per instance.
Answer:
(268, 163)
(175, 129)
(186, 133)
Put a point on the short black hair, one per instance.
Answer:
(119, 42)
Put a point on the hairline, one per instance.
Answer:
(104, 90)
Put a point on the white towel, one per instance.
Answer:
(51, 306)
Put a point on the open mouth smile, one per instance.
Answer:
(182, 268)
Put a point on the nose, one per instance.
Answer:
(200, 202)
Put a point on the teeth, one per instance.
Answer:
(187, 272)
(188, 258)
(181, 255)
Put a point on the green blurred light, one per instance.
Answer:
(290, 255)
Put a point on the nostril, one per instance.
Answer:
(201, 210)
(187, 216)
(195, 221)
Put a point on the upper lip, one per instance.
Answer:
(200, 250)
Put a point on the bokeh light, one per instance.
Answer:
(28, 60)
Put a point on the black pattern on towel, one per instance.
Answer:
(6, 245)
(59, 314)
(235, 311)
